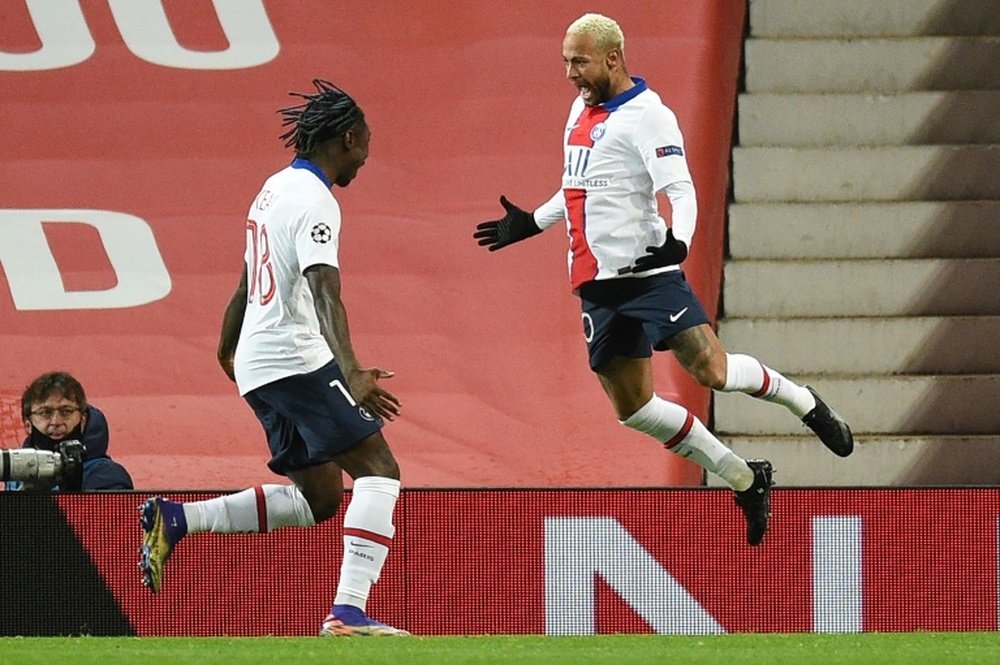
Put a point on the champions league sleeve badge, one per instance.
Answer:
(321, 233)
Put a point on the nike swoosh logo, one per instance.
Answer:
(674, 317)
(354, 544)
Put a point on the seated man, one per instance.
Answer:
(55, 411)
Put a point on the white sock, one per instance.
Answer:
(368, 532)
(257, 509)
(682, 433)
(748, 375)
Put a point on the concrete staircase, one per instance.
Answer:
(864, 237)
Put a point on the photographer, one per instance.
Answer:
(56, 415)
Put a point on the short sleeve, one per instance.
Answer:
(317, 236)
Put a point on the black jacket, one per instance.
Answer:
(100, 472)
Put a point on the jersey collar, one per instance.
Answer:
(303, 163)
(631, 93)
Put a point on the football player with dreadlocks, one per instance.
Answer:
(285, 342)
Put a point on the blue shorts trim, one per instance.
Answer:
(632, 317)
(308, 419)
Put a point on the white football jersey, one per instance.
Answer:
(617, 156)
(294, 223)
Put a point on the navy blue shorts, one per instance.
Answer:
(630, 317)
(310, 418)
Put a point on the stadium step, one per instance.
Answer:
(876, 404)
(862, 287)
(868, 18)
(865, 230)
(915, 118)
(879, 345)
(872, 65)
(876, 461)
(864, 251)
(880, 173)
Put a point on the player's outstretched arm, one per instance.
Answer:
(515, 226)
(324, 282)
(232, 322)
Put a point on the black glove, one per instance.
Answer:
(516, 225)
(670, 253)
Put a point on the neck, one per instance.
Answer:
(41, 441)
(314, 165)
(325, 166)
(624, 83)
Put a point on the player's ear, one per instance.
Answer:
(350, 138)
(613, 59)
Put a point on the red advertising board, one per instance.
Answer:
(566, 562)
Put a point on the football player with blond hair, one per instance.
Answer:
(622, 148)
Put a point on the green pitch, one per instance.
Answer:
(798, 649)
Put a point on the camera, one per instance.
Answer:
(44, 469)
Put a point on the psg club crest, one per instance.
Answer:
(597, 131)
(321, 233)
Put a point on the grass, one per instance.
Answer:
(795, 649)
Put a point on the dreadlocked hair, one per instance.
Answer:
(325, 115)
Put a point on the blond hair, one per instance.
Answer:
(606, 32)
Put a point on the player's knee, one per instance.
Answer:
(324, 505)
(626, 408)
(709, 373)
(371, 457)
(380, 463)
(386, 467)
(713, 380)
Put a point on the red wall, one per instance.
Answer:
(465, 102)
